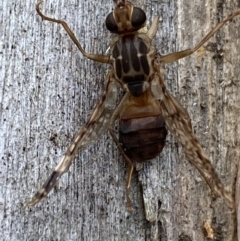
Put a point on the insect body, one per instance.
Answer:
(146, 108)
(142, 127)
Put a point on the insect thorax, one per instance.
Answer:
(133, 57)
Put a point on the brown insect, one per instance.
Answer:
(147, 107)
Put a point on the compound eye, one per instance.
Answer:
(138, 17)
(111, 23)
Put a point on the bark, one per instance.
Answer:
(47, 92)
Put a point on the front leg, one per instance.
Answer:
(182, 54)
(95, 57)
(92, 130)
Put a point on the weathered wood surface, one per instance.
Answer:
(47, 89)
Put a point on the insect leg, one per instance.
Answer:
(130, 169)
(115, 116)
(181, 54)
(95, 126)
(95, 57)
(153, 29)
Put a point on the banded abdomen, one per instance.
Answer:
(143, 138)
(142, 129)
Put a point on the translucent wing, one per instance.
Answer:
(92, 130)
(179, 124)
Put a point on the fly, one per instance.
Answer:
(146, 111)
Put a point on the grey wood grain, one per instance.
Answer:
(47, 91)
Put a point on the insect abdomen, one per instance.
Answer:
(142, 138)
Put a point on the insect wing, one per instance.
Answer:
(96, 125)
(179, 124)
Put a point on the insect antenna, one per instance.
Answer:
(119, 3)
